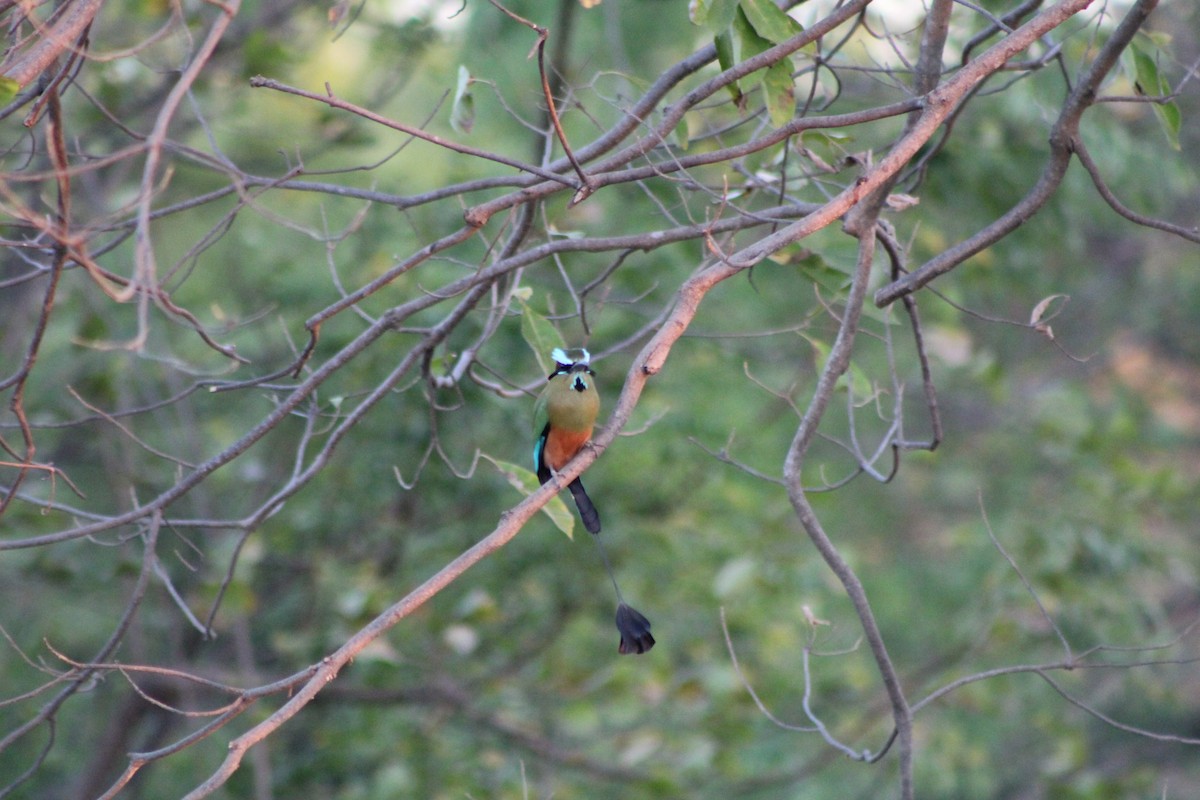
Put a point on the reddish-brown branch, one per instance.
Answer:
(648, 363)
(23, 66)
(855, 199)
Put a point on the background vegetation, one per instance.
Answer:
(269, 353)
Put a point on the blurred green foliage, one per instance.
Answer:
(507, 684)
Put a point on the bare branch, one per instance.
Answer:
(24, 66)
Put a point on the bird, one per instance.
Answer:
(564, 417)
(566, 413)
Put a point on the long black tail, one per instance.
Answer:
(632, 625)
(587, 511)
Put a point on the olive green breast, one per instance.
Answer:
(570, 401)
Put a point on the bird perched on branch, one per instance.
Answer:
(565, 414)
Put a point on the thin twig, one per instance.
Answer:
(987, 525)
(333, 101)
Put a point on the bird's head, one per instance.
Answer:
(573, 364)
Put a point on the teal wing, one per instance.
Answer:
(541, 428)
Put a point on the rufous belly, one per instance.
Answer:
(561, 446)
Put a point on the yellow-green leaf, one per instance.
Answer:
(824, 274)
(854, 378)
(726, 59)
(540, 334)
(682, 136)
(526, 482)
(779, 92)
(462, 112)
(1171, 119)
(749, 41)
(716, 15)
(8, 89)
(776, 81)
(1152, 82)
(769, 21)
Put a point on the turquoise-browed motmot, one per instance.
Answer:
(565, 415)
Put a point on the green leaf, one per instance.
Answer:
(8, 89)
(1152, 82)
(462, 113)
(716, 15)
(824, 274)
(726, 59)
(751, 43)
(854, 378)
(859, 382)
(442, 364)
(526, 482)
(1171, 119)
(1146, 73)
(540, 334)
(821, 347)
(769, 21)
(776, 81)
(681, 133)
(780, 92)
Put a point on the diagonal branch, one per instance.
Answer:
(23, 67)
(648, 363)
